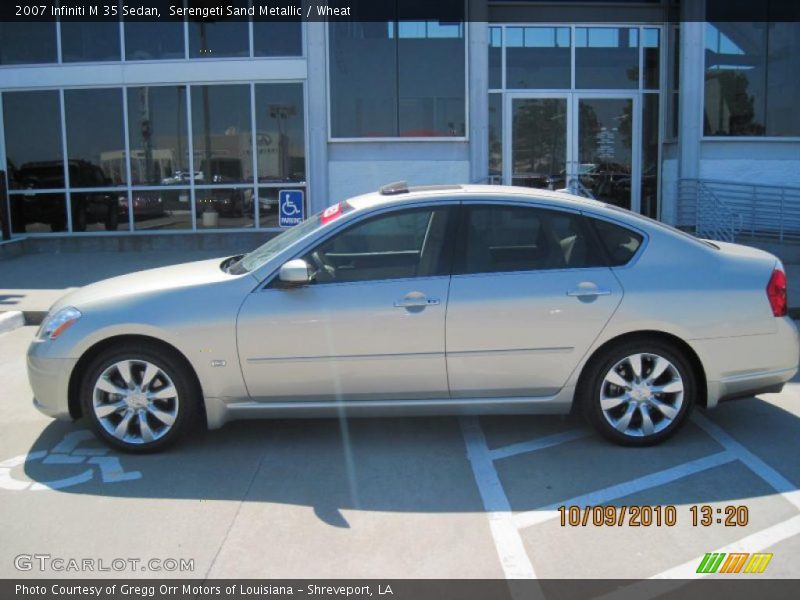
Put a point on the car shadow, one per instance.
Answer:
(411, 464)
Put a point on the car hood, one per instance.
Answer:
(148, 283)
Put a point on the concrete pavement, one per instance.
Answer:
(429, 497)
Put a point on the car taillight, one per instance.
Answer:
(776, 292)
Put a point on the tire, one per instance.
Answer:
(167, 407)
(642, 415)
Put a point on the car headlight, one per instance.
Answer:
(56, 324)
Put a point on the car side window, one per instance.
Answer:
(500, 238)
(409, 243)
(620, 243)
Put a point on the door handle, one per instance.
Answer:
(588, 290)
(416, 300)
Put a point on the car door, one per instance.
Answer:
(371, 323)
(529, 294)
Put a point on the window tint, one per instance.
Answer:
(509, 238)
(395, 246)
(620, 243)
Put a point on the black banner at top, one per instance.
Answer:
(506, 11)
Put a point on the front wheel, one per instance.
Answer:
(639, 393)
(138, 399)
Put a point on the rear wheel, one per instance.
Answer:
(639, 393)
(139, 398)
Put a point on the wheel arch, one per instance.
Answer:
(73, 396)
(650, 335)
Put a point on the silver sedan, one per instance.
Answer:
(439, 300)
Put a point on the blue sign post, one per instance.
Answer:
(291, 208)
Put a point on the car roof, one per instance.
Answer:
(392, 194)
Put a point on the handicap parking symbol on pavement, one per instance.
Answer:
(291, 208)
(67, 453)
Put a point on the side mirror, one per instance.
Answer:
(295, 272)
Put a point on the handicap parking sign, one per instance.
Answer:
(291, 208)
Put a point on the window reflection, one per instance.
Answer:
(33, 139)
(89, 41)
(221, 133)
(538, 57)
(495, 135)
(495, 58)
(280, 132)
(277, 38)
(158, 135)
(224, 208)
(39, 213)
(651, 56)
(152, 40)
(397, 79)
(99, 211)
(606, 57)
(95, 138)
(27, 43)
(162, 209)
(751, 81)
(220, 39)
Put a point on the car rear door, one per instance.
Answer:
(530, 292)
(371, 326)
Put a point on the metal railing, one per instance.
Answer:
(726, 211)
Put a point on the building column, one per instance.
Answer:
(478, 91)
(317, 116)
(692, 86)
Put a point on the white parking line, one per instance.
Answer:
(538, 444)
(513, 558)
(626, 488)
(781, 485)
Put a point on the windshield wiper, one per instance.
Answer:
(230, 262)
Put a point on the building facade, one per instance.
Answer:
(154, 127)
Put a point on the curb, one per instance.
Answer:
(11, 320)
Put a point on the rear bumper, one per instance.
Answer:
(748, 365)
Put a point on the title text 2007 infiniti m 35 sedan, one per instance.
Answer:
(450, 299)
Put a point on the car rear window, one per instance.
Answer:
(620, 243)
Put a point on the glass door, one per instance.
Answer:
(605, 163)
(588, 143)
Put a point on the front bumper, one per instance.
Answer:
(49, 379)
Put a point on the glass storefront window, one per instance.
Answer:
(650, 169)
(27, 43)
(495, 58)
(33, 140)
(153, 40)
(538, 57)
(495, 137)
(268, 205)
(280, 132)
(277, 38)
(100, 211)
(38, 213)
(224, 208)
(157, 131)
(606, 58)
(651, 55)
(89, 41)
(95, 137)
(751, 81)
(221, 134)
(161, 209)
(219, 39)
(397, 79)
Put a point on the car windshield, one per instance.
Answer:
(259, 256)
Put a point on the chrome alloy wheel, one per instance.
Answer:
(642, 395)
(135, 401)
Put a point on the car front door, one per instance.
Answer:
(370, 324)
(530, 292)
